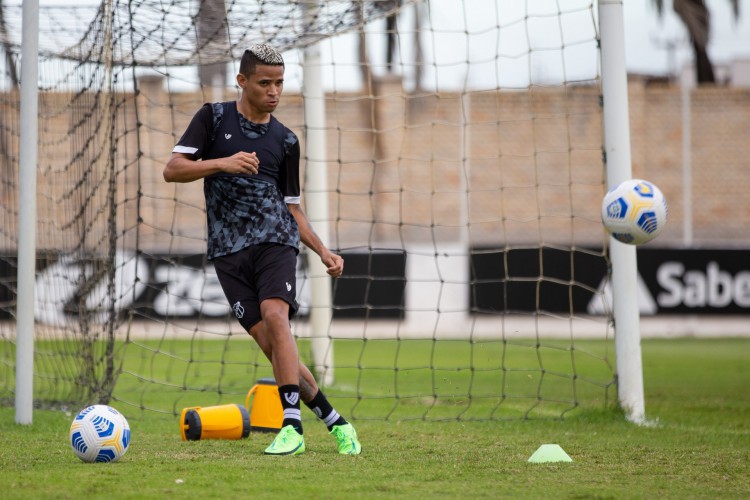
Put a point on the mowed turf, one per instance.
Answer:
(696, 445)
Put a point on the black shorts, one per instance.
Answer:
(257, 273)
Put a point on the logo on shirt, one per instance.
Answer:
(227, 136)
(288, 287)
(239, 311)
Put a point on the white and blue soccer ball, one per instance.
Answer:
(634, 211)
(99, 433)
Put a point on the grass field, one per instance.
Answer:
(697, 445)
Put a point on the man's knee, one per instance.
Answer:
(275, 312)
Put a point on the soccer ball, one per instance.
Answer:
(634, 212)
(99, 433)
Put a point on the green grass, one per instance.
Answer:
(696, 446)
(375, 379)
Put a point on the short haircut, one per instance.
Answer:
(260, 53)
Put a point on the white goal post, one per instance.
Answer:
(27, 215)
(624, 264)
(317, 210)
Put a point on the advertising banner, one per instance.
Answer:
(374, 286)
(670, 281)
(186, 286)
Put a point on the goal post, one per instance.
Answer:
(316, 196)
(623, 257)
(452, 153)
(28, 135)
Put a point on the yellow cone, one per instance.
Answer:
(214, 422)
(266, 413)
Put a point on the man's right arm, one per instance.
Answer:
(181, 167)
(186, 165)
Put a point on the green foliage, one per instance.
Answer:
(697, 445)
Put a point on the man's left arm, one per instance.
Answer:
(290, 187)
(334, 263)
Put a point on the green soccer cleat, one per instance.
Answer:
(346, 438)
(288, 442)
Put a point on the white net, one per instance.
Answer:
(463, 149)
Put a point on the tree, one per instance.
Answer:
(696, 18)
(213, 40)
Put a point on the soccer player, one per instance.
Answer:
(249, 163)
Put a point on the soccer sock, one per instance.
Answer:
(289, 395)
(323, 409)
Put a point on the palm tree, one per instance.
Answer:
(695, 16)
(212, 41)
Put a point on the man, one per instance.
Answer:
(250, 165)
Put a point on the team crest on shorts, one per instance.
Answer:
(239, 311)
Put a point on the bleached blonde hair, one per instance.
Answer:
(260, 53)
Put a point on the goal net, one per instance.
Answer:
(457, 148)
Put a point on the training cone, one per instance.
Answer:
(266, 414)
(215, 422)
(549, 453)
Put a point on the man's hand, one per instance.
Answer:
(241, 163)
(334, 264)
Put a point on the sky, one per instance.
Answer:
(654, 44)
(529, 40)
